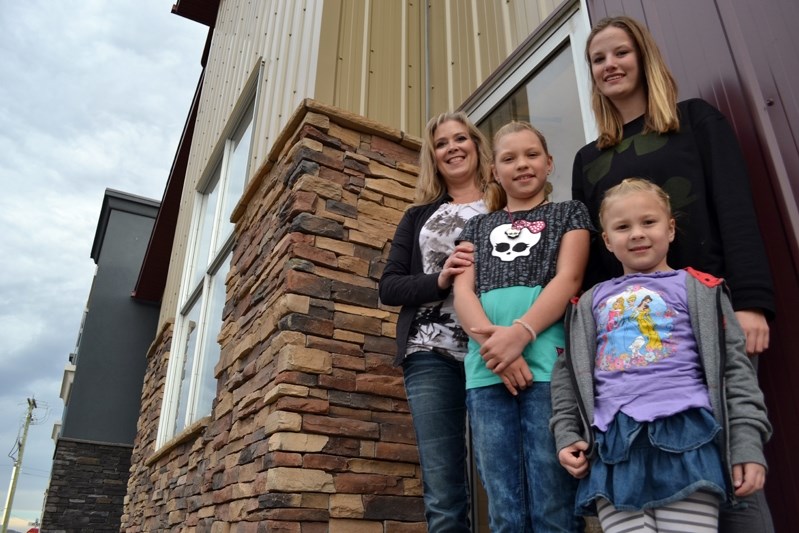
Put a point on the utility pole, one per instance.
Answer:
(17, 463)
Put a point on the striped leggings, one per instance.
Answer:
(698, 513)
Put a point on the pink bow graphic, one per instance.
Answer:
(533, 227)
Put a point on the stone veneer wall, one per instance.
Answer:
(87, 487)
(310, 430)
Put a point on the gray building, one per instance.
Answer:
(103, 379)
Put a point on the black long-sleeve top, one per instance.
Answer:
(702, 169)
(403, 281)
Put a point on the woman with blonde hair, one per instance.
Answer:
(455, 165)
(689, 149)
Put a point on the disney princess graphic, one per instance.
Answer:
(634, 327)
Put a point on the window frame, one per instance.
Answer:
(199, 290)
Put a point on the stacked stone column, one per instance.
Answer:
(310, 430)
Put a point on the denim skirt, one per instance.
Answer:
(644, 465)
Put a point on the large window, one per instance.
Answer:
(191, 384)
(548, 86)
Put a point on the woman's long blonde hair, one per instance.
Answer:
(495, 197)
(659, 86)
(430, 186)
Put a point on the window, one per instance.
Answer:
(549, 86)
(191, 384)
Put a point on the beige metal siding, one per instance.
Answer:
(378, 68)
(372, 57)
(284, 36)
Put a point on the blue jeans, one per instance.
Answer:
(517, 461)
(436, 390)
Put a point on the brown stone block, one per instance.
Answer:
(303, 405)
(378, 212)
(362, 237)
(396, 151)
(334, 346)
(346, 506)
(367, 483)
(348, 336)
(314, 225)
(299, 202)
(342, 446)
(305, 324)
(347, 136)
(348, 362)
(346, 412)
(325, 188)
(307, 284)
(392, 387)
(283, 479)
(300, 515)
(393, 451)
(314, 254)
(338, 381)
(379, 507)
(380, 363)
(387, 468)
(391, 188)
(340, 427)
(362, 401)
(379, 170)
(405, 527)
(380, 344)
(328, 463)
(345, 525)
(278, 458)
(362, 324)
(341, 208)
(402, 433)
(297, 378)
(345, 277)
(354, 265)
(339, 247)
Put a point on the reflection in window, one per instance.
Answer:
(549, 100)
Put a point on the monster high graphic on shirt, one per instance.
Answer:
(633, 330)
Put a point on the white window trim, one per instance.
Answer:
(570, 24)
(247, 104)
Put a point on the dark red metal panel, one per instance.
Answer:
(743, 57)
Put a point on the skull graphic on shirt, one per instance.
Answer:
(509, 243)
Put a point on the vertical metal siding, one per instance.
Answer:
(738, 55)
(286, 35)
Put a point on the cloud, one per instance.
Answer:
(94, 96)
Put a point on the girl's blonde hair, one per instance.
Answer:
(495, 197)
(431, 186)
(659, 85)
(633, 185)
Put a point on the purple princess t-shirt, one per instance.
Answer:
(647, 364)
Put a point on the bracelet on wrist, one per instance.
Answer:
(528, 327)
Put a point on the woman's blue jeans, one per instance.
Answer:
(517, 461)
(436, 390)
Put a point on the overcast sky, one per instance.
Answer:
(94, 95)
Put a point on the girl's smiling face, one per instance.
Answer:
(638, 230)
(521, 166)
(615, 65)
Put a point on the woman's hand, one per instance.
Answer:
(460, 259)
(517, 376)
(573, 459)
(755, 327)
(504, 345)
(748, 478)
